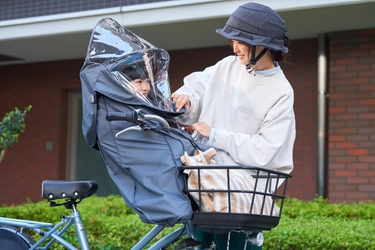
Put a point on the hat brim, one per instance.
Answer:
(276, 44)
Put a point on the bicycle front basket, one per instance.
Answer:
(236, 197)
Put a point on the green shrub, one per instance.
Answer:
(12, 124)
(111, 225)
(108, 222)
(319, 225)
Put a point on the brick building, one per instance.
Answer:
(331, 68)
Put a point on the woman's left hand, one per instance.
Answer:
(201, 127)
(181, 101)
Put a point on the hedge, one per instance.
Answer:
(316, 224)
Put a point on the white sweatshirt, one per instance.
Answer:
(252, 118)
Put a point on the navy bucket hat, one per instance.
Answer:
(258, 25)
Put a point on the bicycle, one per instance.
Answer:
(73, 192)
(70, 193)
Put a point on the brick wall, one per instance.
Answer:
(301, 70)
(352, 116)
(183, 62)
(45, 86)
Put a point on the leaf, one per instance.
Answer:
(11, 125)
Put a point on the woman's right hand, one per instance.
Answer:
(181, 101)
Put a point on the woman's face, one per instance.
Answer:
(242, 51)
(142, 85)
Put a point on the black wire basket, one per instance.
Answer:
(247, 198)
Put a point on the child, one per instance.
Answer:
(136, 80)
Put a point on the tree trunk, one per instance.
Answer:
(2, 154)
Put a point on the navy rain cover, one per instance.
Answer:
(143, 164)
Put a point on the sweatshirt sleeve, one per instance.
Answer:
(194, 87)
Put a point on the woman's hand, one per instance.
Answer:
(201, 127)
(181, 101)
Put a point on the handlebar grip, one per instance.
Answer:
(119, 116)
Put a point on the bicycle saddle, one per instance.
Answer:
(57, 189)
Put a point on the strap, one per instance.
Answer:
(254, 59)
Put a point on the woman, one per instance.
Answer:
(243, 104)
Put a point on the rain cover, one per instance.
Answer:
(121, 73)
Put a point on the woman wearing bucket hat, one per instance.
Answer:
(243, 104)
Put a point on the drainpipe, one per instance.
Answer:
(322, 116)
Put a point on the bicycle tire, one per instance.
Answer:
(12, 238)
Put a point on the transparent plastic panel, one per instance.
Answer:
(140, 67)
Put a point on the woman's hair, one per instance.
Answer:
(277, 56)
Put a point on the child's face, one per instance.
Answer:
(142, 85)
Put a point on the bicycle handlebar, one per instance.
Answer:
(137, 117)
(159, 119)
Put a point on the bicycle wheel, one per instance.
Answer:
(11, 238)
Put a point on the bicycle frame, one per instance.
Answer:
(73, 192)
(52, 232)
(185, 230)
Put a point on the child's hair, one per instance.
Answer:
(135, 72)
